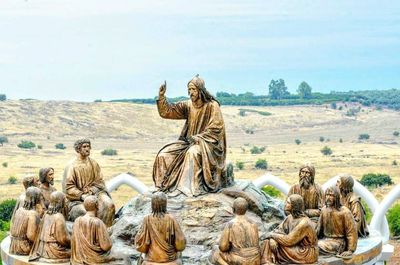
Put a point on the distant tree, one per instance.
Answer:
(321, 139)
(394, 163)
(40, 146)
(3, 97)
(326, 151)
(372, 180)
(26, 145)
(333, 105)
(109, 152)
(3, 139)
(240, 165)
(277, 89)
(12, 180)
(257, 150)
(5, 164)
(363, 136)
(304, 90)
(297, 141)
(261, 164)
(340, 140)
(396, 133)
(60, 146)
(98, 100)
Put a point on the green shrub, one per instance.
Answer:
(261, 164)
(6, 209)
(396, 133)
(368, 213)
(257, 150)
(249, 131)
(3, 139)
(326, 151)
(321, 139)
(26, 145)
(363, 136)
(5, 164)
(109, 152)
(3, 97)
(242, 112)
(373, 180)
(4, 225)
(393, 217)
(340, 140)
(60, 146)
(271, 191)
(333, 105)
(297, 141)
(40, 146)
(12, 180)
(240, 165)
(340, 107)
(394, 163)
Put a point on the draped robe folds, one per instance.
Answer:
(239, 244)
(53, 241)
(192, 169)
(90, 242)
(46, 192)
(353, 203)
(313, 197)
(23, 231)
(161, 238)
(297, 242)
(337, 231)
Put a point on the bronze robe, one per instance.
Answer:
(192, 169)
(53, 241)
(90, 242)
(239, 244)
(46, 192)
(40, 207)
(353, 203)
(313, 197)
(297, 242)
(337, 231)
(161, 238)
(23, 231)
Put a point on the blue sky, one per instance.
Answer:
(98, 49)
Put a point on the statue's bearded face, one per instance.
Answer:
(193, 92)
(288, 207)
(305, 178)
(85, 150)
(50, 177)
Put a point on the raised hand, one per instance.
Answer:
(163, 88)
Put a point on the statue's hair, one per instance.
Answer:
(32, 197)
(297, 203)
(57, 202)
(78, 144)
(28, 181)
(336, 204)
(159, 204)
(347, 183)
(240, 206)
(200, 85)
(311, 168)
(43, 173)
(90, 203)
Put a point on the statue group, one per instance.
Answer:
(317, 222)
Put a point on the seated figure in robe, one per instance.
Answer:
(25, 223)
(294, 241)
(52, 243)
(239, 241)
(46, 177)
(160, 237)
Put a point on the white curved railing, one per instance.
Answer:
(127, 179)
(269, 179)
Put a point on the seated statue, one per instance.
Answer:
(239, 241)
(345, 185)
(25, 224)
(46, 177)
(336, 228)
(160, 236)
(90, 242)
(311, 192)
(53, 241)
(294, 241)
(83, 178)
(195, 163)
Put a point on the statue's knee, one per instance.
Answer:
(194, 150)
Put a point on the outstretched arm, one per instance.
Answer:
(166, 110)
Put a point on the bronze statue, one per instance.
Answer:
(53, 241)
(312, 193)
(46, 177)
(345, 184)
(336, 227)
(239, 241)
(90, 242)
(195, 163)
(25, 223)
(160, 236)
(294, 241)
(83, 178)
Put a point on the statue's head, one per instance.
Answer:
(30, 181)
(90, 203)
(306, 175)
(32, 197)
(332, 197)
(240, 206)
(294, 205)
(83, 147)
(197, 90)
(159, 204)
(57, 202)
(345, 183)
(46, 175)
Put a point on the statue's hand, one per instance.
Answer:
(273, 245)
(163, 88)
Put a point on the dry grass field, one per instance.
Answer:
(137, 133)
